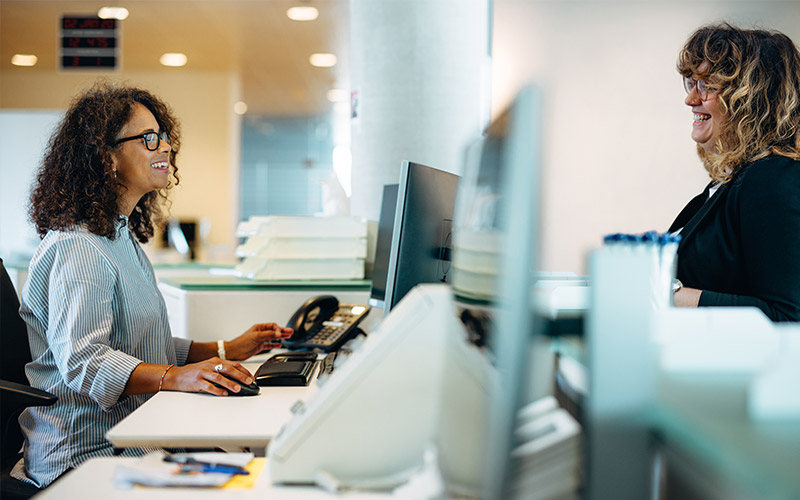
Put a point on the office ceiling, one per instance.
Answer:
(255, 37)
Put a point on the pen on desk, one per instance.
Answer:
(223, 469)
(189, 464)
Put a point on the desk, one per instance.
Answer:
(186, 420)
(207, 308)
(714, 449)
(94, 481)
(710, 447)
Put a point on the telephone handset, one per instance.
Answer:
(322, 323)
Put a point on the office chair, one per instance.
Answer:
(15, 393)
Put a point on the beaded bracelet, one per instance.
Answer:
(161, 382)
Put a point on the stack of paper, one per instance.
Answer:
(297, 247)
(547, 460)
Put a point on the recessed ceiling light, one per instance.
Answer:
(24, 60)
(322, 60)
(173, 59)
(338, 95)
(113, 13)
(240, 108)
(304, 13)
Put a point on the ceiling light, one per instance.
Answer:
(338, 95)
(113, 13)
(322, 60)
(240, 108)
(24, 60)
(304, 13)
(173, 59)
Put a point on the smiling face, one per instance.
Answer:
(139, 170)
(708, 116)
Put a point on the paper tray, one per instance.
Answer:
(257, 268)
(303, 226)
(303, 248)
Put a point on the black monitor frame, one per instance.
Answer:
(383, 247)
(422, 235)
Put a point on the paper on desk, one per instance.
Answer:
(152, 470)
(242, 482)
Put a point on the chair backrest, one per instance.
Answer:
(15, 351)
(14, 354)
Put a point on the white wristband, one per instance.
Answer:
(221, 349)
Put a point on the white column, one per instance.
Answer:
(419, 72)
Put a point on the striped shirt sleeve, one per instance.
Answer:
(181, 350)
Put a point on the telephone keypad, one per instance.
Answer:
(333, 329)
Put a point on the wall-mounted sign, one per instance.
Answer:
(89, 43)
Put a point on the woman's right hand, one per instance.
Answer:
(202, 377)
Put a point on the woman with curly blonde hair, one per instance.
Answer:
(97, 325)
(741, 237)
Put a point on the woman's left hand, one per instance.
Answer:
(259, 337)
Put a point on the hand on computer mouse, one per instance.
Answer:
(246, 390)
(213, 376)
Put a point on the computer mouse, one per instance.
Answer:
(246, 390)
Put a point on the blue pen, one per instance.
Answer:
(219, 468)
(189, 464)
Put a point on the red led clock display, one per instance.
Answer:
(88, 42)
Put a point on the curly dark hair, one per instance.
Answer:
(76, 184)
(756, 75)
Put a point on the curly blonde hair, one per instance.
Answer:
(76, 183)
(756, 75)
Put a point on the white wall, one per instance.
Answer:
(618, 156)
(23, 137)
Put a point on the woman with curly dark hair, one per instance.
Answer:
(97, 324)
(741, 236)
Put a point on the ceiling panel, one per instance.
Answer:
(252, 37)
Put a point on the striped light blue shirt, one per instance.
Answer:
(94, 313)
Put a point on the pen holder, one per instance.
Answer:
(660, 251)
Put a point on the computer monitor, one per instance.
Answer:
(181, 235)
(415, 381)
(369, 425)
(422, 235)
(383, 247)
(496, 237)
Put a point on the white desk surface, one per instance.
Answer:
(186, 420)
(94, 481)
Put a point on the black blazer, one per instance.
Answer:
(741, 247)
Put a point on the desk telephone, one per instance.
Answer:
(325, 324)
(320, 324)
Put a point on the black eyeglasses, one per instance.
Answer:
(690, 83)
(152, 140)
